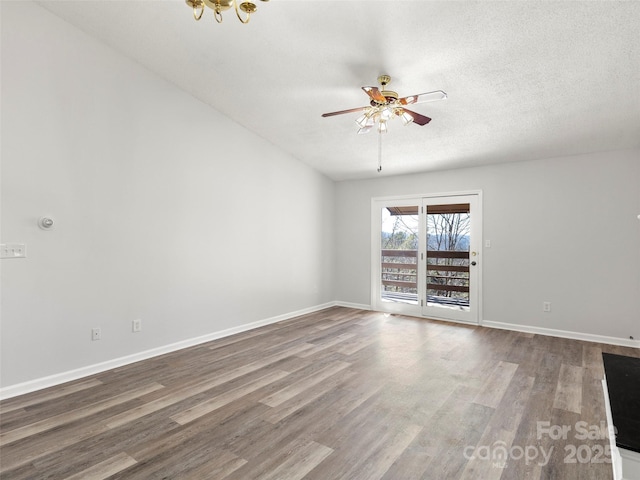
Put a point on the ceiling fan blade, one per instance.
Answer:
(351, 110)
(418, 118)
(375, 94)
(423, 97)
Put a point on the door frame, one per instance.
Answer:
(417, 310)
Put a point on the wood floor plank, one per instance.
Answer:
(17, 455)
(326, 425)
(538, 408)
(184, 460)
(597, 439)
(225, 398)
(105, 469)
(300, 386)
(47, 395)
(336, 394)
(218, 467)
(353, 345)
(592, 361)
(380, 460)
(496, 385)
(351, 453)
(448, 459)
(298, 402)
(56, 421)
(337, 320)
(318, 347)
(569, 390)
(502, 425)
(411, 464)
(161, 403)
(85, 452)
(298, 462)
(208, 384)
(219, 428)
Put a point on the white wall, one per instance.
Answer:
(563, 230)
(165, 210)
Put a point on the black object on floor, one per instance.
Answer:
(623, 383)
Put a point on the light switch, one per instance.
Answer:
(487, 244)
(13, 250)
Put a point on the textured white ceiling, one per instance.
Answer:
(525, 79)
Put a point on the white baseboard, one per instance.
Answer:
(552, 332)
(359, 306)
(63, 377)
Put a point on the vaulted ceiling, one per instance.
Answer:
(525, 79)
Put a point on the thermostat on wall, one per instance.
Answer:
(45, 223)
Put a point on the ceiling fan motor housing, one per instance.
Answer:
(390, 95)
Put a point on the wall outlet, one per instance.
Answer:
(96, 334)
(136, 325)
(546, 306)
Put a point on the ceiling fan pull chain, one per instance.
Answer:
(379, 152)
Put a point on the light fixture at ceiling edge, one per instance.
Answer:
(219, 6)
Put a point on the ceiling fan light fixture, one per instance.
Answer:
(382, 126)
(406, 118)
(362, 120)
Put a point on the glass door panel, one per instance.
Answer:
(399, 245)
(451, 258)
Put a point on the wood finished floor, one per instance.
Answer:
(340, 393)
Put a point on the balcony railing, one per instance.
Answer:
(400, 270)
(447, 275)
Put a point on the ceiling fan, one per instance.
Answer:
(385, 105)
